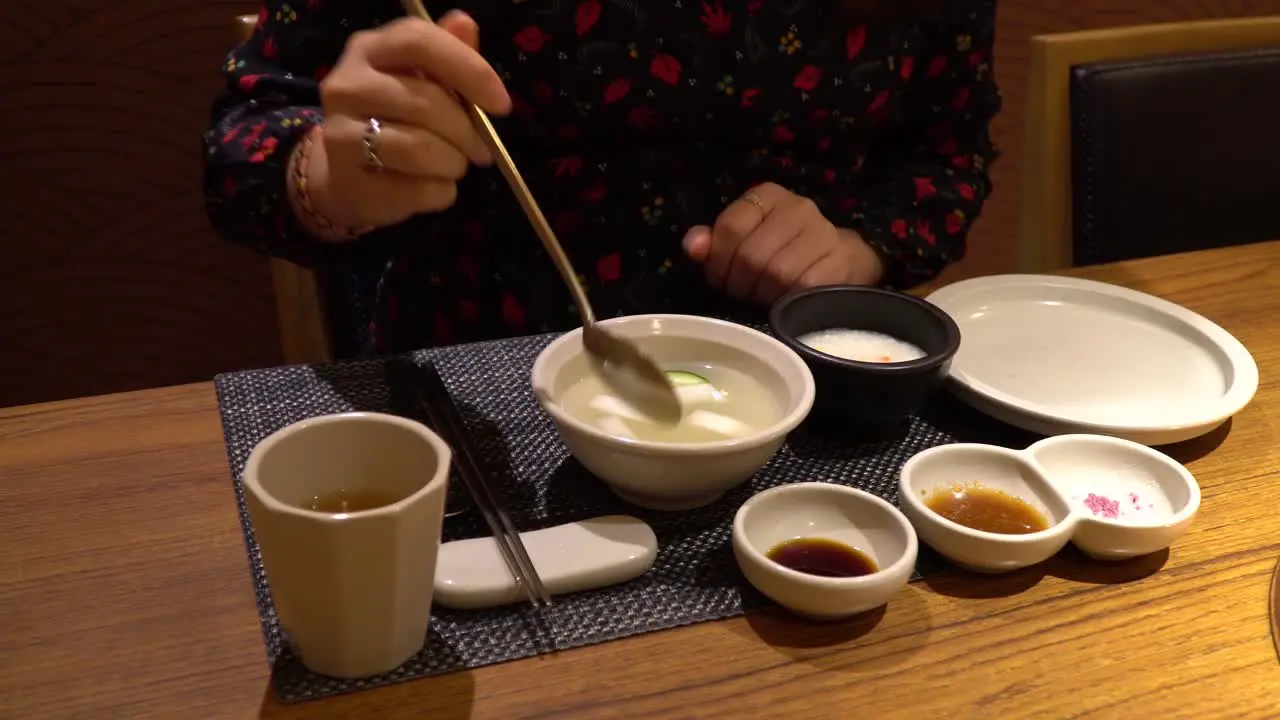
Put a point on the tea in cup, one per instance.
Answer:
(347, 511)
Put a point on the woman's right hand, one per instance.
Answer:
(408, 75)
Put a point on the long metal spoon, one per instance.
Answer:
(622, 361)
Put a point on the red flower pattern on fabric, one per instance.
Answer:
(586, 16)
(616, 90)
(531, 39)
(807, 79)
(854, 40)
(609, 269)
(702, 99)
(665, 68)
(716, 20)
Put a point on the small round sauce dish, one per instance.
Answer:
(985, 508)
(1132, 500)
(876, 355)
(824, 551)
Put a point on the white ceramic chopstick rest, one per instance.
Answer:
(584, 555)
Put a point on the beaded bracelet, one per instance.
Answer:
(317, 222)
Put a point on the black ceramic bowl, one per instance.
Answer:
(868, 394)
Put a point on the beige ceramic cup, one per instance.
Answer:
(352, 590)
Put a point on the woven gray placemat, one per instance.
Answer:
(694, 578)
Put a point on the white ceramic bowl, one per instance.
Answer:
(998, 469)
(1114, 499)
(1131, 500)
(677, 476)
(835, 512)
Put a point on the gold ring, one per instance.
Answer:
(754, 200)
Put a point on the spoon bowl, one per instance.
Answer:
(632, 374)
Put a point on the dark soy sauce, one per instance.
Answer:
(822, 557)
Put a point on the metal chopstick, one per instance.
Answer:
(436, 400)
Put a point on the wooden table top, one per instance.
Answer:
(124, 590)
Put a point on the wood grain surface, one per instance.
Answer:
(124, 590)
(110, 278)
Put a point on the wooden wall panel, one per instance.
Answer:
(110, 278)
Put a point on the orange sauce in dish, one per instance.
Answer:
(986, 509)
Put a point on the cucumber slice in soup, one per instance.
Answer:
(680, 377)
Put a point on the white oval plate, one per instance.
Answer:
(1060, 355)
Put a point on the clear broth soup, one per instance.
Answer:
(719, 403)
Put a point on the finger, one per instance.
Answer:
(411, 44)
(735, 224)
(404, 99)
(756, 254)
(432, 195)
(387, 197)
(697, 243)
(394, 195)
(732, 228)
(421, 153)
(461, 26)
(405, 195)
(824, 271)
(787, 268)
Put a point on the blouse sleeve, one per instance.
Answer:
(927, 183)
(271, 101)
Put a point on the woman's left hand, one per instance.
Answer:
(772, 241)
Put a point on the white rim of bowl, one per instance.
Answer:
(1193, 486)
(1067, 524)
(908, 555)
(781, 428)
(271, 501)
(1244, 369)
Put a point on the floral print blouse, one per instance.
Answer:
(633, 120)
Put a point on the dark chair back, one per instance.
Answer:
(1171, 154)
(1046, 238)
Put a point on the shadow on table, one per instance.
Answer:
(826, 645)
(441, 697)
(1191, 450)
(572, 485)
(965, 424)
(1069, 564)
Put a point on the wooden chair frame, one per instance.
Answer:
(304, 329)
(1045, 233)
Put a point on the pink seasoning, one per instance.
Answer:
(1106, 507)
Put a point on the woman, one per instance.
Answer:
(692, 155)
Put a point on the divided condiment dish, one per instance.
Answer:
(854, 519)
(1112, 498)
